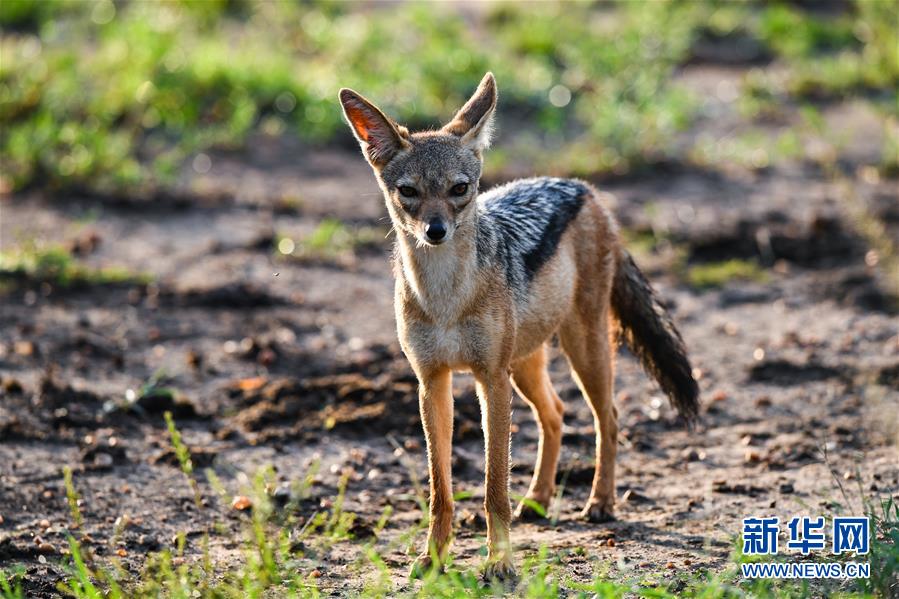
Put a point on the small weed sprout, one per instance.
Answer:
(11, 584)
(72, 497)
(182, 453)
(884, 554)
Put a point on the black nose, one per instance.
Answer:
(435, 230)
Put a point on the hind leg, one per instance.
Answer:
(532, 382)
(589, 350)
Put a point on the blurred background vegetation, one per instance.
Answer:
(115, 97)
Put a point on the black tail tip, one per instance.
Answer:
(686, 401)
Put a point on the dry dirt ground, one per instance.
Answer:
(294, 362)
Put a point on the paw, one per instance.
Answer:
(501, 570)
(598, 512)
(531, 509)
(423, 565)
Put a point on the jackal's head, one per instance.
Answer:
(429, 178)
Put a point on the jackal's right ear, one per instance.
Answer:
(379, 137)
(474, 121)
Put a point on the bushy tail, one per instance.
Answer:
(650, 334)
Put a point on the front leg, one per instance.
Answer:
(495, 395)
(435, 398)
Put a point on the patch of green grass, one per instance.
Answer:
(643, 242)
(56, 265)
(794, 33)
(11, 584)
(84, 583)
(330, 240)
(889, 162)
(821, 57)
(753, 149)
(94, 91)
(717, 274)
(109, 97)
(282, 554)
(598, 83)
(884, 554)
(835, 57)
(30, 14)
(117, 97)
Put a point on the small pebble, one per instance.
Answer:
(692, 455)
(24, 348)
(631, 496)
(194, 359)
(763, 402)
(12, 386)
(267, 357)
(241, 503)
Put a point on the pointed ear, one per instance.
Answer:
(379, 136)
(474, 121)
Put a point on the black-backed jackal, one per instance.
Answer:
(483, 281)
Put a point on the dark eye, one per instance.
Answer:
(460, 189)
(407, 192)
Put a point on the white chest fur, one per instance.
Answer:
(442, 283)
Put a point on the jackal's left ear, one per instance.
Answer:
(474, 121)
